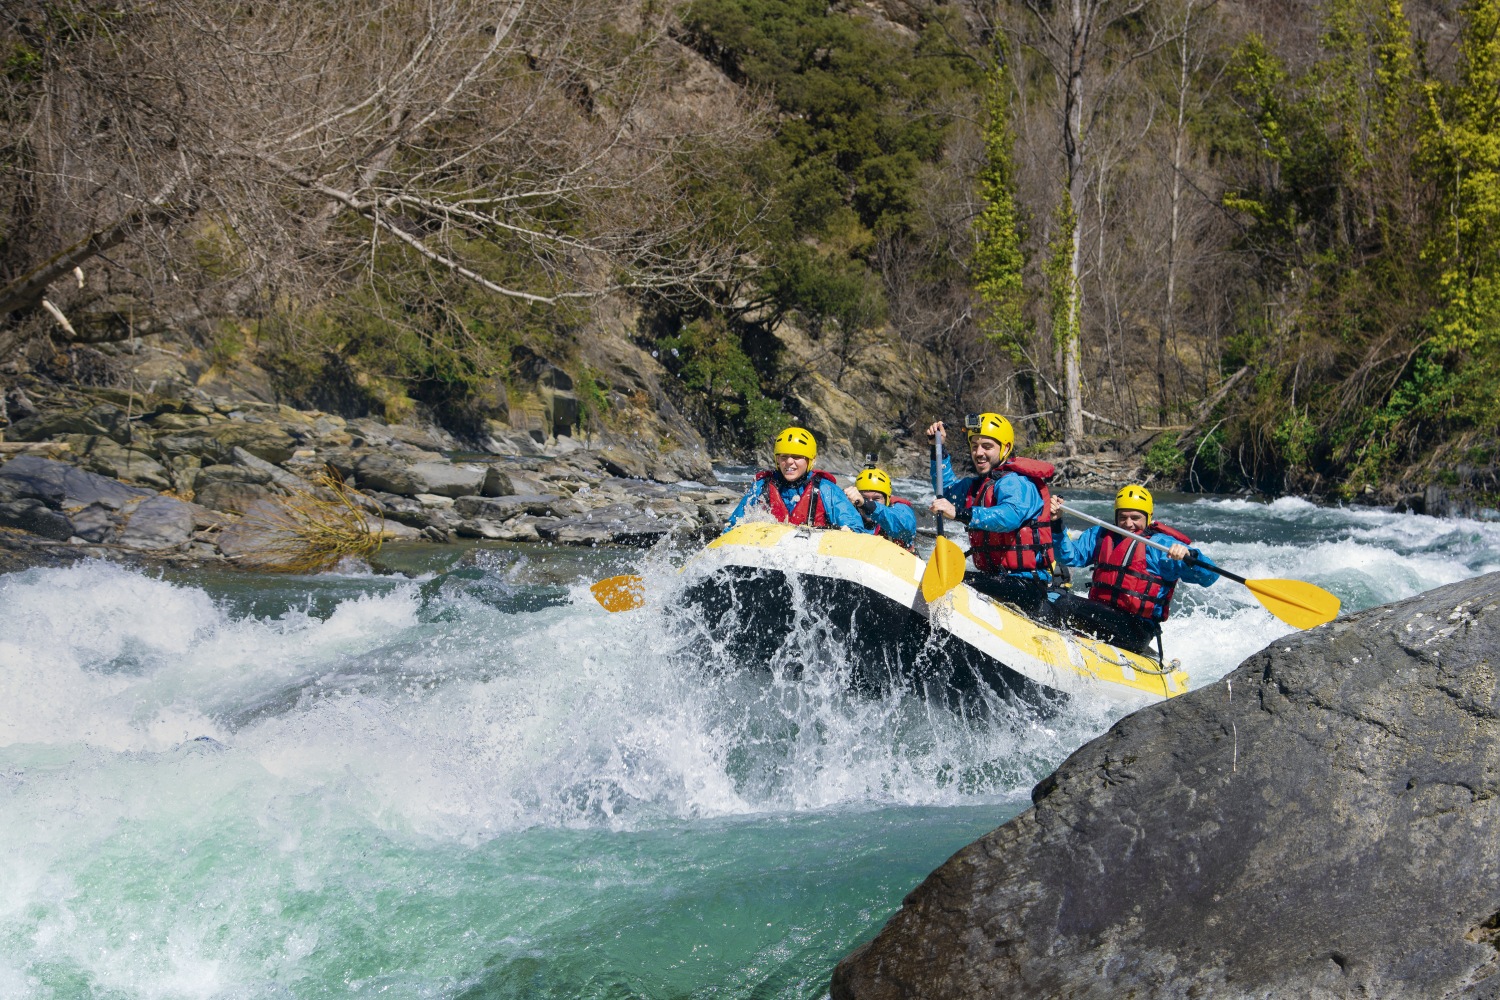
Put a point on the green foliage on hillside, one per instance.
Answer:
(411, 333)
(1164, 458)
(722, 383)
(862, 111)
(1368, 195)
(1462, 146)
(861, 104)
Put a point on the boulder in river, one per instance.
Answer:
(231, 495)
(505, 507)
(217, 443)
(102, 419)
(619, 524)
(95, 523)
(1321, 822)
(104, 456)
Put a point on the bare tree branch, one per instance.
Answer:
(534, 148)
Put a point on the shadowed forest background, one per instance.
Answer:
(1258, 239)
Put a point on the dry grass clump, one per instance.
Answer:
(308, 530)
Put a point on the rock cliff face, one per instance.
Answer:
(1323, 822)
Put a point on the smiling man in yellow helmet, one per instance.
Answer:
(890, 516)
(1131, 593)
(796, 493)
(1005, 507)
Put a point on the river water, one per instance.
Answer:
(471, 781)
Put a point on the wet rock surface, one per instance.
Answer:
(171, 477)
(34, 516)
(159, 522)
(1319, 823)
(61, 485)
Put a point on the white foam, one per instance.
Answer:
(457, 719)
(108, 657)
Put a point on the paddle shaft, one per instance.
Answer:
(1155, 545)
(937, 475)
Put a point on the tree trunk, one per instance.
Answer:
(1168, 329)
(1079, 23)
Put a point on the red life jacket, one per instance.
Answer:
(881, 532)
(1121, 576)
(809, 509)
(1029, 547)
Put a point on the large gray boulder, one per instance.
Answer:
(104, 456)
(158, 523)
(1323, 822)
(444, 479)
(95, 523)
(61, 485)
(500, 439)
(503, 508)
(217, 442)
(231, 495)
(103, 419)
(256, 467)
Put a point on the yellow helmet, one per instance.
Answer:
(796, 441)
(991, 425)
(1134, 497)
(874, 480)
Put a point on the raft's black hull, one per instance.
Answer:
(754, 616)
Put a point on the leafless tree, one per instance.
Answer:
(1188, 88)
(202, 152)
(1087, 47)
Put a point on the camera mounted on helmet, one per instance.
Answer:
(992, 426)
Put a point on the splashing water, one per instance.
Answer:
(477, 783)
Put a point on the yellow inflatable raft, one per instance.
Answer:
(752, 584)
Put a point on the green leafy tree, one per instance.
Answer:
(862, 108)
(1337, 208)
(1464, 147)
(998, 258)
(1452, 382)
(722, 383)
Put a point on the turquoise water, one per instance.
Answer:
(473, 782)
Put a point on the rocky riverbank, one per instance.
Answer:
(1318, 823)
(178, 479)
(172, 473)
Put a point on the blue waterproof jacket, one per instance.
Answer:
(1084, 551)
(897, 521)
(839, 511)
(1016, 502)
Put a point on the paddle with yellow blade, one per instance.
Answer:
(1299, 604)
(945, 567)
(620, 593)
